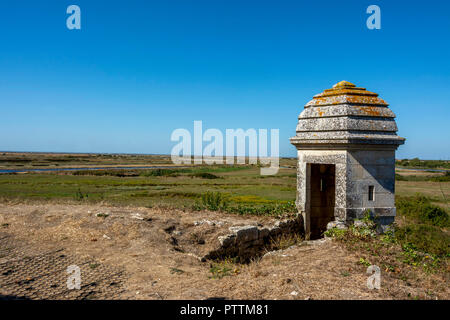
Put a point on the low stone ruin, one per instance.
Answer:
(246, 242)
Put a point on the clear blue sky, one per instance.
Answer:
(137, 70)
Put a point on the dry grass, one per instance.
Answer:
(139, 240)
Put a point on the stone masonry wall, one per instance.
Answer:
(371, 168)
(356, 170)
(246, 242)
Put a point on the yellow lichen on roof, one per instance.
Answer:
(345, 92)
(343, 84)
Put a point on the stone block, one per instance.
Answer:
(263, 233)
(273, 231)
(226, 241)
(245, 233)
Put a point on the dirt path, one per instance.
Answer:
(141, 253)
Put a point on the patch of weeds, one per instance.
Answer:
(284, 241)
(223, 268)
(389, 236)
(102, 215)
(174, 194)
(214, 201)
(345, 274)
(362, 232)
(399, 177)
(364, 262)
(420, 208)
(443, 178)
(278, 210)
(389, 267)
(80, 195)
(94, 265)
(176, 270)
(204, 175)
(412, 243)
(336, 233)
(5, 225)
(425, 238)
(162, 173)
(417, 258)
(197, 238)
(249, 198)
(197, 206)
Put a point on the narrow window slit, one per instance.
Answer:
(371, 193)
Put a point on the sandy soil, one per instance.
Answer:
(159, 249)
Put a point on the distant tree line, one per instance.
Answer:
(417, 163)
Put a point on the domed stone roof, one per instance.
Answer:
(346, 115)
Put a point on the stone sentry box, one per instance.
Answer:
(346, 141)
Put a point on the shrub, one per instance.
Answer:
(419, 241)
(443, 178)
(420, 208)
(214, 201)
(336, 233)
(425, 238)
(80, 195)
(161, 173)
(204, 175)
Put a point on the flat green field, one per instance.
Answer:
(174, 187)
(182, 187)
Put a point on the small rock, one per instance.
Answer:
(336, 224)
(382, 229)
(294, 293)
(106, 237)
(199, 223)
(270, 253)
(137, 216)
(360, 224)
